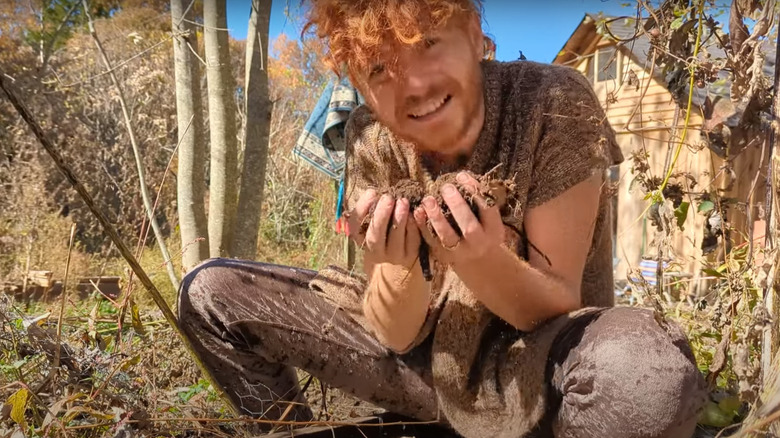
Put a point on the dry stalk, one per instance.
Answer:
(644, 92)
(64, 296)
(768, 411)
(27, 264)
(283, 422)
(291, 405)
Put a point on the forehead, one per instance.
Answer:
(391, 50)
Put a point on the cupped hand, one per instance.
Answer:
(479, 235)
(391, 237)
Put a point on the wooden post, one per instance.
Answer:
(769, 344)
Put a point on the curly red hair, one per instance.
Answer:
(356, 30)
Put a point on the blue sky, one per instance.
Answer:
(538, 27)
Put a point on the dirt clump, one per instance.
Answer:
(495, 192)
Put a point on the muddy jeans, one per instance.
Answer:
(251, 323)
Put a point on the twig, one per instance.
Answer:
(136, 152)
(759, 424)
(29, 258)
(57, 353)
(324, 401)
(109, 229)
(184, 14)
(291, 405)
(118, 66)
(195, 52)
(651, 11)
(727, 428)
(108, 378)
(642, 97)
(749, 211)
(285, 422)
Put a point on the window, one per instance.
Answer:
(607, 64)
(589, 68)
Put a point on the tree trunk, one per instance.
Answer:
(258, 120)
(192, 149)
(222, 123)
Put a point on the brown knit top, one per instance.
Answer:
(546, 129)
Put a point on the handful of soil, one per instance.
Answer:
(494, 191)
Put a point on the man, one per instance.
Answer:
(516, 334)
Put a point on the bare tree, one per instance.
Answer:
(222, 124)
(258, 121)
(192, 149)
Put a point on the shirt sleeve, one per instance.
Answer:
(576, 139)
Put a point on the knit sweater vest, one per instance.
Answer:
(545, 129)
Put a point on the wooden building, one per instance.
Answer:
(646, 119)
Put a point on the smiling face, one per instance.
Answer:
(430, 93)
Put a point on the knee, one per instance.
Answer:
(644, 367)
(202, 285)
(653, 351)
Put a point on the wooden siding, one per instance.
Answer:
(643, 117)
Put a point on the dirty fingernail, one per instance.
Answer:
(462, 177)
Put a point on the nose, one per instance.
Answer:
(413, 75)
(415, 82)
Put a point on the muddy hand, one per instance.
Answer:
(479, 235)
(392, 236)
(357, 216)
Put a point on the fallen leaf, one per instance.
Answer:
(18, 402)
(138, 326)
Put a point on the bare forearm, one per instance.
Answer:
(516, 291)
(396, 304)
